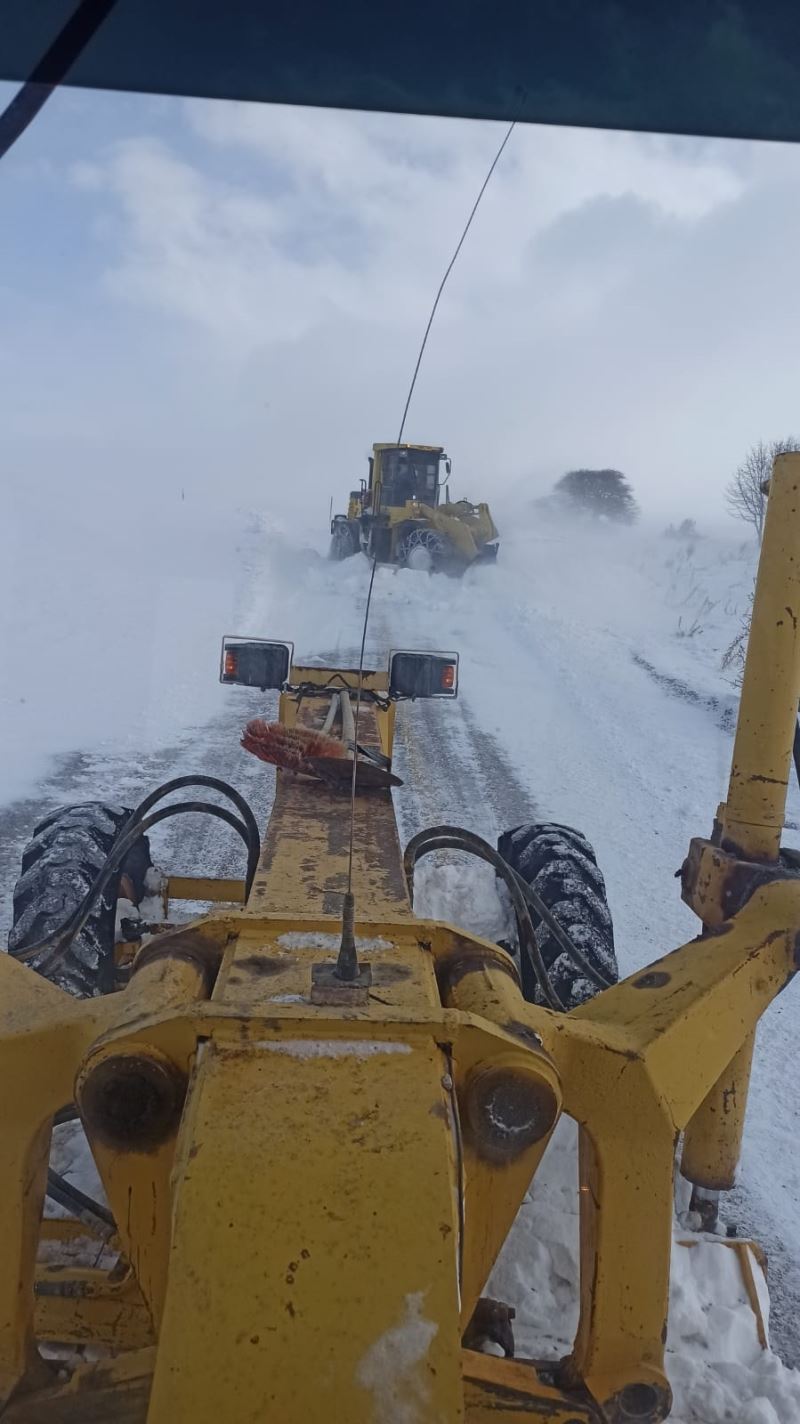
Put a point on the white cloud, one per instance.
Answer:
(267, 274)
(341, 214)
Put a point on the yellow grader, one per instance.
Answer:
(315, 1115)
(396, 516)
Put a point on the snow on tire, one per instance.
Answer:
(559, 863)
(59, 865)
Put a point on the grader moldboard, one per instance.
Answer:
(397, 515)
(314, 1135)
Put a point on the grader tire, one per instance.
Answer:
(344, 542)
(559, 863)
(59, 865)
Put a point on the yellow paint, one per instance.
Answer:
(753, 816)
(200, 888)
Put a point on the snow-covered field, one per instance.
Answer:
(591, 693)
(110, 621)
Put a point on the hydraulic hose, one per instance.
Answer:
(523, 899)
(132, 830)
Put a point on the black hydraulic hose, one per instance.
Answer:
(92, 1213)
(595, 975)
(56, 942)
(215, 784)
(453, 837)
(796, 750)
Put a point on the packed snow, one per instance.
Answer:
(591, 692)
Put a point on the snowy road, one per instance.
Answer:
(582, 700)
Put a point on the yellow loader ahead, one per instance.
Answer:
(396, 516)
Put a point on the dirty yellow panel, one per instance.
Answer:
(313, 1270)
(269, 971)
(304, 861)
(496, 1390)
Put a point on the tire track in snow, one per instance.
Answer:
(454, 771)
(724, 710)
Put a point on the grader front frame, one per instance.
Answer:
(309, 1191)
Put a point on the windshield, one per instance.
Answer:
(411, 474)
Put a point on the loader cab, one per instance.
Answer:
(407, 472)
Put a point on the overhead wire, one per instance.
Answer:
(360, 686)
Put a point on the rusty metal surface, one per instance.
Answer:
(338, 773)
(91, 1307)
(717, 883)
(201, 888)
(303, 866)
(202, 948)
(284, 1299)
(109, 1392)
(497, 1390)
(712, 1139)
(328, 989)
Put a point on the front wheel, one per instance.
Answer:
(422, 549)
(559, 863)
(343, 543)
(59, 865)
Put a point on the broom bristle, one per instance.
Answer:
(288, 747)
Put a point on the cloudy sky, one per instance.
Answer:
(227, 300)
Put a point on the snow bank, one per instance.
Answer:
(719, 1371)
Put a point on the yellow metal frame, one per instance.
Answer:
(310, 1194)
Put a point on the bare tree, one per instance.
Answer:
(744, 494)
